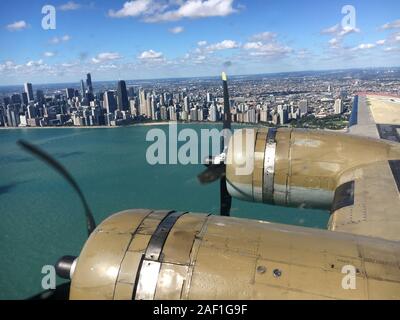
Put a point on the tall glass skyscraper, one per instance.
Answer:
(89, 83)
(122, 96)
(109, 102)
(83, 88)
(29, 91)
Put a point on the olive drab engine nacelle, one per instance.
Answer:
(163, 255)
(297, 167)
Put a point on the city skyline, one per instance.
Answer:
(283, 100)
(148, 39)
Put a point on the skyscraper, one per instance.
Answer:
(12, 116)
(109, 102)
(303, 107)
(186, 104)
(142, 102)
(40, 96)
(209, 97)
(83, 88)
(338, 107)
(131, 92)
(123, 103)
(32, 112)
(89, 83)
(24, 96)
(29, 91)
(16, 98)
(213, 113)
(148, 106)
(70, 93)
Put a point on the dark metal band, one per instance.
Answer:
(156, 243)
(389, 132)
(344, 196)
(395, 167)
(150, 265)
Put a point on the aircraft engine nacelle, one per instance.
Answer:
(164, 255)
(296, 167)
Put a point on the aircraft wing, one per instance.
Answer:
(367, 201)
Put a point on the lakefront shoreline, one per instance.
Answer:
(144, 124)
(86, 127)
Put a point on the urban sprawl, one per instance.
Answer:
(310, 99)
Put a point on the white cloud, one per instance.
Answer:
(223, 45)
(364, 46)
(17, 26)
(391, 25)
(151, 55)
(176, 30)
(395, 37)
(34, 63)
(391, 49)
(49, 54)
(132, 9)
(106, 56)
(331, 30)
(267, 49)
(264, 36)
(304, 54)
(202, 43)
(347, 30)
(68, 65)
(253, 45)
(107, 66)
(334, 43)
(38, 68)
(390, 42)
(266, 44)
(200, 59)
(155, 11)
(57, 40)
(69, 6)
(7, 66)
(338, 32)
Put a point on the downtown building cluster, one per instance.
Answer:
(127, 105)
(270, 100)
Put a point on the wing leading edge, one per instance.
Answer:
(367, 201)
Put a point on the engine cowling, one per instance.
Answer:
(296, 167)
(164, 255)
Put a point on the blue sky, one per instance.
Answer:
(174, 38)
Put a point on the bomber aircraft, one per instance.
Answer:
(144, 254)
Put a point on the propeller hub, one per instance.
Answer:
(219, 159)
(65, 266)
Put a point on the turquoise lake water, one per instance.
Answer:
(42, 218)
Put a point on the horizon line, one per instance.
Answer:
(207, 77)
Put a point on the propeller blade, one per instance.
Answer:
(217, 170)
(226, 199)
(212, 173)
(227, 108)
(91, 224)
